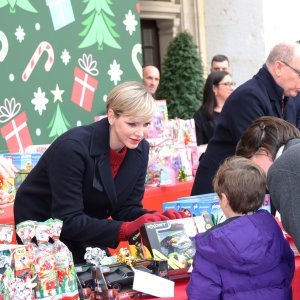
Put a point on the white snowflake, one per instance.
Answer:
(115, 72)
(39, 101)
(130, 22)
(20, 34)
(65, 57)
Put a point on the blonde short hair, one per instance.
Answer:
(131, 99)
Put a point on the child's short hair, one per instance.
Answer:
(243, 182)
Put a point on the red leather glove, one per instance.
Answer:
(174, 214)
(128, 228)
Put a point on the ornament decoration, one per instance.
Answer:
(20, 34)
(88, 64)
(15, 132)
(130, 22)
(9, 110)
(115, 72)
(61, 13)
(39, 101)
(137, 49)
(85, 84)
(42, 47)
(4, 48)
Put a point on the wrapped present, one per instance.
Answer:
(67, 284)
(85, 84)
(61, 13)
(15, 132)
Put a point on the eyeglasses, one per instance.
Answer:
(296, 71)
(228, 84)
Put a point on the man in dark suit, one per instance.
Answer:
(265, 94)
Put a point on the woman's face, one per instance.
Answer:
(224, 88)
(126, 131)
(262, 158)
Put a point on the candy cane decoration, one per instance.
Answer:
(42, 47)
(4, 49)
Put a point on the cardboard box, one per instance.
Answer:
(172, 240)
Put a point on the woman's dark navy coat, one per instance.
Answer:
(73, 182)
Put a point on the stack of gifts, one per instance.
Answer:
(24, 162)
(42, 270)
(173, 148)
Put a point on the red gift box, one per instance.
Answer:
(16, 134)
(84, 84)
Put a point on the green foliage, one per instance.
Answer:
(182, 77)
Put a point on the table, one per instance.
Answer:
(153, 199)
(180, 286)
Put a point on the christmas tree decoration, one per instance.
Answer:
(59, 123)
(24, 4)
(99, 28)
(61, 13)
(84, 84)
(15, 132)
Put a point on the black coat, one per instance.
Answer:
(204, 126)
(73, 182)
(259, 96)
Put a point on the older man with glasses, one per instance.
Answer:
(266, 94)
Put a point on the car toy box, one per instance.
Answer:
(171, 240)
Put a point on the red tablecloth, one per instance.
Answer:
(153, 199)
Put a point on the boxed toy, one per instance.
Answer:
(198, 205)
(171, 240)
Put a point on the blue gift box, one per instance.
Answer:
(61, 12)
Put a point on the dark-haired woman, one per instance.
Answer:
(218, 87)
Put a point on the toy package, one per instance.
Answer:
(198, 205)
(171, 240)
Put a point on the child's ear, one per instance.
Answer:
(223, 200)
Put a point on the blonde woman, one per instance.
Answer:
(92, 177)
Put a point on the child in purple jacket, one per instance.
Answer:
(246, 257)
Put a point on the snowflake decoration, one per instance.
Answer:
(115, 72)
(20, 34)
(39, 101)
(65, 57)
(130, 22)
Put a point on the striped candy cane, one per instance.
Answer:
(4, 49)
(42, 47)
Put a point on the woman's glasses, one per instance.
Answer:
(228, 84)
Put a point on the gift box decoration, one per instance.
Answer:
(15, 132)
(85, 84)
(61, 13)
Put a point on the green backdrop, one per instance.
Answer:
(58, 61)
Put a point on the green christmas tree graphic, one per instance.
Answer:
(24, 4)
(99, 28)
(58, 124)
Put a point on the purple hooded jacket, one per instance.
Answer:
(244, 258)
